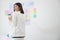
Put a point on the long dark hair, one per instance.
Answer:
(20, 7)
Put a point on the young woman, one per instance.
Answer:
(18, 21)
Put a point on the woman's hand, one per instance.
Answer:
(10, 18)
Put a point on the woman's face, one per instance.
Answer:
(16, 8)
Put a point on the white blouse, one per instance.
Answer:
(18, 24)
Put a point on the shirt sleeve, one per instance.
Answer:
(14, 20)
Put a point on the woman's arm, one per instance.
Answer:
(10, 18)
(14, 20)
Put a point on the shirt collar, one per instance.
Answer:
(17, 11)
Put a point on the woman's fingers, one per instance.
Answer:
(10, 18)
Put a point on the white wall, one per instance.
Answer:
(44, 27)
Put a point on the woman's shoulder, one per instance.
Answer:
(19, 14)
